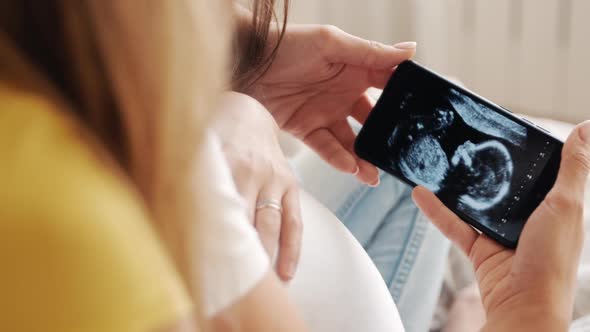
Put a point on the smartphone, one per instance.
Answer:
(489, 166)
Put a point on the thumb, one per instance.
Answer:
(554, 232)
(345, 48)
(575, 163)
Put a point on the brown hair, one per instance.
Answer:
(41, 31)
(254, 58)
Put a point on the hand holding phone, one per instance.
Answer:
(490, 167)
(532, 288)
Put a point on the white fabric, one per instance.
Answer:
(234, 260)
(337, 287)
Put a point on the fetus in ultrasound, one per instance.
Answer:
(425, 163)
(479, 174)
(428, 124)
(483, 171)
(422, 158)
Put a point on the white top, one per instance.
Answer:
(233, 258)
(336, 286)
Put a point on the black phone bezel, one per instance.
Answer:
(364, 143)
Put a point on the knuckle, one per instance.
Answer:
(328, 32)
(375, 46)
(263, 167)
(327, 37)
(273, 169)
(582, 159)
(286, 175)
(559, 203)
(372, 52)
(242, 162)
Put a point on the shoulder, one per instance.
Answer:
(74, 236)
(51, 166)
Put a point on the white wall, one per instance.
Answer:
(532, 56)
(384, 20)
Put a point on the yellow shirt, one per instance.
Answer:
(77, 252)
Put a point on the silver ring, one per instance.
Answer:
(269, 203)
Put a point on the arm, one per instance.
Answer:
(261, 172)
(238, 287)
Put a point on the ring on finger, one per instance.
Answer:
(269, 204)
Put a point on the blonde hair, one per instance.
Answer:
(144, 76)
(166, 79)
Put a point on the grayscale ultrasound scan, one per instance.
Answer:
(482, 163)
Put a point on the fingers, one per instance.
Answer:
(341, 47)
(367, 173)
(460, 233)
(290, 237)
(575, 163)
(362, 108)
(566, 198)
(268, 219)
(280, 230)
(379, 78)
(555, 230)
(326, 144)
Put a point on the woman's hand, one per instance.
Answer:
(318, 79)
(531, 288)
(263, 177)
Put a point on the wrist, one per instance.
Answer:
(545, 305)
(540, 310)
(531, 319)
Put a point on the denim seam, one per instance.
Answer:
(406, 263)
(384, 223)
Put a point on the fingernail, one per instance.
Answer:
(585, 132)
(408, 45)
(356, 171)
(376, 183)
(289, 271)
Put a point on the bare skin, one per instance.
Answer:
(530, 288)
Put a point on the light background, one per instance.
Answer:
(531, 56)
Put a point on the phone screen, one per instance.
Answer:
(482, 162)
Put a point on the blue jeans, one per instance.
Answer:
(408, 251)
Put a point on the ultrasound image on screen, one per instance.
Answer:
(476, 160)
